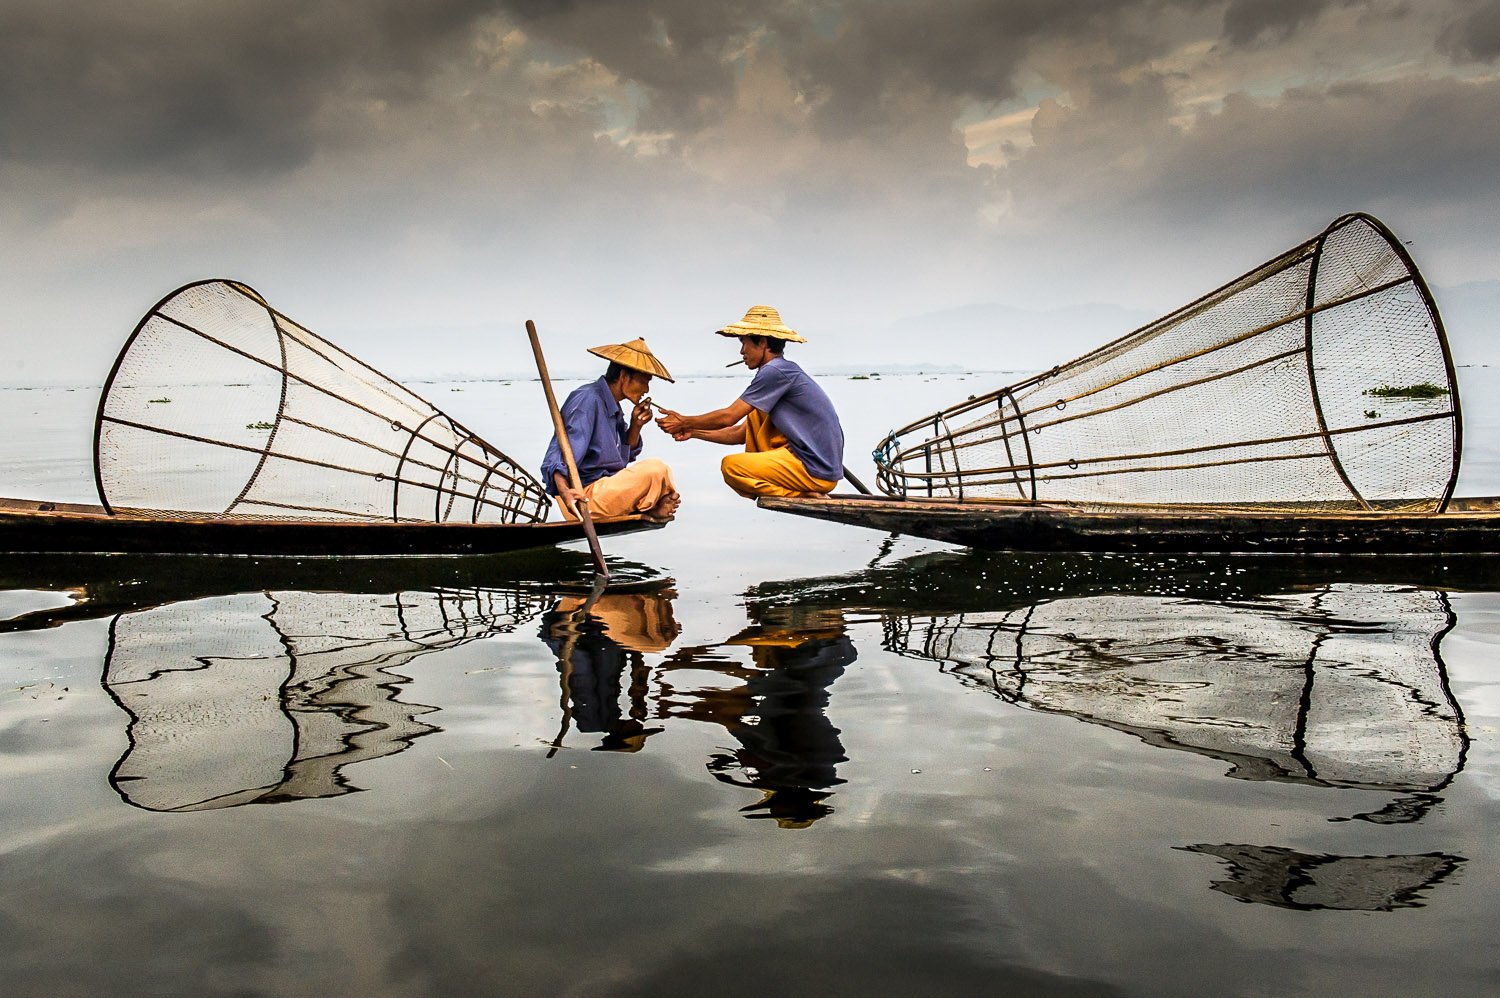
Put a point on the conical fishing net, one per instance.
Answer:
(1320, 380)
(219, 405)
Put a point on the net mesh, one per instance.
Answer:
(1320, 380)
(221, 406)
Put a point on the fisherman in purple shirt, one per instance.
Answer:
(794, 445)
(605, 448)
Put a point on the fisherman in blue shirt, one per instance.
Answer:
(794, 444)
(605, 448)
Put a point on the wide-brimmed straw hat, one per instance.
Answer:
(634, 355)
(761, 320)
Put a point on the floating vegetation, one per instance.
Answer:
(1371, 414)
(1425, 390)
(262, 425)
(859, 377)
(161, 400)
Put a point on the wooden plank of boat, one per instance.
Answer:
(1469, 526)
(28, 525)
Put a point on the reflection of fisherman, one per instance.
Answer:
(603, 446)
(790, 751)
(794, 445)
(596, 643)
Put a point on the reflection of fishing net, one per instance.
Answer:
(1319, 380)
(221, 405)
(1338, 688)
(267, 697)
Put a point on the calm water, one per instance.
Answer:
(805, 759)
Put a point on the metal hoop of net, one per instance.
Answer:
(220, 406)
(1320, 380)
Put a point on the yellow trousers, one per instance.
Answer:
(633, 489)
(768, 467)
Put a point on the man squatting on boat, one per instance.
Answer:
(794, 445)
(605, 450)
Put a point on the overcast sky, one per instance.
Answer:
(413, 180)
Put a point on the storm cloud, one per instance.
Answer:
(217, 87)
(849, 159)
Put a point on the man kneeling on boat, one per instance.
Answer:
(794, 445)
(604, 448)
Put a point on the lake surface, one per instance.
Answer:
(808, 759)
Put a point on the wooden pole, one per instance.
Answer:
(566, 446)
(849, 477)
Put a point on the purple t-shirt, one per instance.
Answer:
(800, 410)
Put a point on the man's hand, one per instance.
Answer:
(671, 422)
(568, 495)
(640, 415)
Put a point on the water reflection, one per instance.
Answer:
(1286, 878)
(1339, 688)
(601, 642)
(774, 706)
(1342, 687)
(267, 697)
(788, 748)
(1269, 667)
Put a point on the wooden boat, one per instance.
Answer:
(27, 525)
(1466, 526)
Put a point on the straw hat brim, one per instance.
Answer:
(761, 320)
(634, 355)
(738, 329)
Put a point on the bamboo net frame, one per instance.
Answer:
(1320, 380)
(220, 406)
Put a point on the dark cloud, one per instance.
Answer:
(1476, 35)
(1423, 146)
(677, 49)
(211, 88)
(1421, 141)
(968, 49)
(1248, 21)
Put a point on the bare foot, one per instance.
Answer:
(666, 507)
(812, 495)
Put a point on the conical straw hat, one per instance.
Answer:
(761, 320)
(634, 355)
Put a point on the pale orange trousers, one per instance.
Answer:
(768, 467)
(633, 489)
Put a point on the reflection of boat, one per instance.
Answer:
(1334, 679)
(1338, 688)
(32, 526)
(104, 585)
(955, 581)
(1468, 526)
(1286, 878)
(266, 697)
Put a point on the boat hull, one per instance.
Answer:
(43, 527)
(1471, 526)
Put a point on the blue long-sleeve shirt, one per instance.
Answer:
(596, 430)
